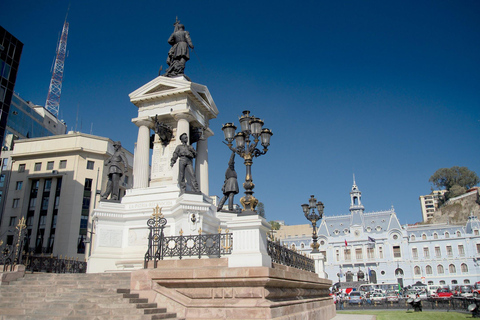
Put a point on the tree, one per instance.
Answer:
(275, 225)
(454, 176)
(261, 209)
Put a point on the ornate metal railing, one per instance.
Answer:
(11, 254)
(181, 246)
(283, 255)
(51, 264)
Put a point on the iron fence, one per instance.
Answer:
(283, 255)
(159, 246)
(453, 304)
(52, 264)
(11, 253)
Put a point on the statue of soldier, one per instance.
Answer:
(186, 153)
(230, 186)
(179, 53)
(118, 165)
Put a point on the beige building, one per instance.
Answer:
(429, 203)
(55, 183)
(295, 231)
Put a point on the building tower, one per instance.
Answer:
(356, 207)
(55, 89)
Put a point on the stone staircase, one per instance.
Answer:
(75, 296)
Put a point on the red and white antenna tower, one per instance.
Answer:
(55, 89)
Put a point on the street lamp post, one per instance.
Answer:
(313, 217)
(247, 149)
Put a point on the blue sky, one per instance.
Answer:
(388, 90)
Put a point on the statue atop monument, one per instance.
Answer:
(230, 186)
(186, 153)
(118, 165)
(179, 53)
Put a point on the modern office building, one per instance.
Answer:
(374, 247)
(430, 203)
(55, 184)
(25, 120)
(10, 52)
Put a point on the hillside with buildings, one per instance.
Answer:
(457, 210)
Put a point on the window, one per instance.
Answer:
(424, 236)
(412, 237)
(347, 255)
(12, 221)
(440, 269)
(90, 165)
(416, 270)
(2, 180)
(478, 248)
(475, 232)
(50, 165)
(19, 185)
(466, 281)
(21, 167)
(15, 203)
(461, 250)
(5, 164)
(452, 269)
(371, 253)
(464, 268)
(438, 253)
(428, 270)
(63, 164)
(396, 252)
(38, 166)
(449, 251)
(337, 254)
(414, 253)
(380, 252)
(442, 282)
(125, 180)
(359, 254)
(459, 234)
(447, 235)
(435, 235)
(426, 253)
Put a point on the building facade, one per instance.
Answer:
(375, 248)
(429, 203)
(55, 184)
(10, 52)
(25, 120)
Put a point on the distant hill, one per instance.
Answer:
(457, 210)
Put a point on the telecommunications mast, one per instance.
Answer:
(55, 89)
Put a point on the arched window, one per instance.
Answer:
(452, 269)
(416, 270)
(412, 237)
(302, 245)
(459, 234)
(454, 282)
(424, 236)
(466, 281)
(440, 269)
(435, 235)
(293, 246)
(442, 282)
(428, 270)
(447, 235)
(464, 268)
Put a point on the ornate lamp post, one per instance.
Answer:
(247, 149)
(309, 211)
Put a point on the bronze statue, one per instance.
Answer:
(164, 132)
(118, 165)
(186, 153)
(179, 53)
(230, 186)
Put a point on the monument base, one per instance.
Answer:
(200, 289)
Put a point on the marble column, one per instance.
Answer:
(201, 163)
(142, 154)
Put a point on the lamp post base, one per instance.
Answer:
(249, 203)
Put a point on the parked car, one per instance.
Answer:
(392, 296)
(466, 291)
(377, 297)
(355, 297)
(432, 289)
(443, 293)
